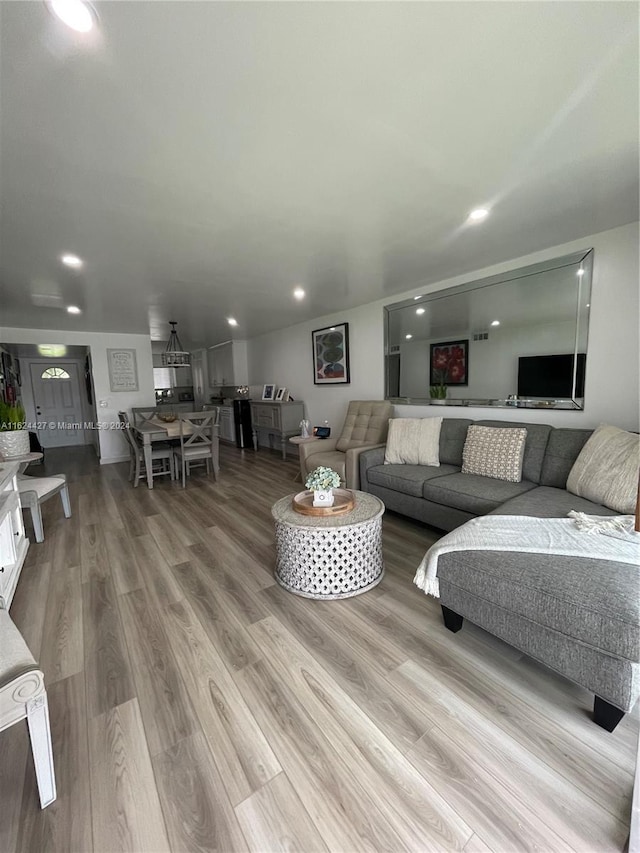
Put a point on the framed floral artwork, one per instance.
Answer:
(449, 363)
(331, 355)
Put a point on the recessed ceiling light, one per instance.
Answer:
(478, 214)
(298, 293)
(495, 322)
(588, 305)
(231, 321)
(408, 337)
(73, 309)
(419, 310)
(417, 297)
(74, 13)
(580, 271)
(71, 261)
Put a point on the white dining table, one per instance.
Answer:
(153, 429)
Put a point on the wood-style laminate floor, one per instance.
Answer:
(196, 705)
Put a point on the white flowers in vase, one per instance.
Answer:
(322, 482)
(322, 479)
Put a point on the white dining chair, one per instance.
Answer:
(161, 452)
(142, 413)
(22, 695)
(199, 442)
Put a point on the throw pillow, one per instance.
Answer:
(494, 452)
(606, 470)
(413, 441)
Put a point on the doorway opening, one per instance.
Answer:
(54, 383)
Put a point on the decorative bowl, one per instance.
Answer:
(168, 417)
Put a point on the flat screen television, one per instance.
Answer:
(550, 376)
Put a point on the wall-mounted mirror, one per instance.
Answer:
(515, 339)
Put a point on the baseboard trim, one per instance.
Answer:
(109, 460)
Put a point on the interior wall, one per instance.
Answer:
(285, 358)
(112, 444)
(612, 383)
(493, 363)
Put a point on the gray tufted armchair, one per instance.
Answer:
(365, 426)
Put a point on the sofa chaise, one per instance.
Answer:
(578, 616)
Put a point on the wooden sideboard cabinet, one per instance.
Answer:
(280, 419)
(13, 542)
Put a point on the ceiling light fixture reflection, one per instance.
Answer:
(76, 14)
(231, 321)
(71, 261)
(495, 322)
(298, 293)
(478, 215)
(419, 310)
(417, 297)
(580, 272)
(73, 309)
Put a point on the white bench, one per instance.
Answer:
(22, 694)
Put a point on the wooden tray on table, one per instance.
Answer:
(344, 502)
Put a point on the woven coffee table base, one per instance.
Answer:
(329, 562)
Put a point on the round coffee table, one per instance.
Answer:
(329, 557)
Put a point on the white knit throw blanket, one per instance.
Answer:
(596, 536)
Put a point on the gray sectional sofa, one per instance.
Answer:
(580, 617)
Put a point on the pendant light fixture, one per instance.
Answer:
(174, 355)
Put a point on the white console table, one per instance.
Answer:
(281, 419)
(13, 542)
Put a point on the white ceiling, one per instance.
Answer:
(206, 158)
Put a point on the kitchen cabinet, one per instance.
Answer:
(279, 419)
(13, 542)
(227, 364)
(227, 429)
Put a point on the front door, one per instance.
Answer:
(56, 395)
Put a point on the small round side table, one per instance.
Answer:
(328, 557)
(298, 440)
(23, 461)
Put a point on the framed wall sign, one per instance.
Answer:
(331, 355)
(123, 370)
